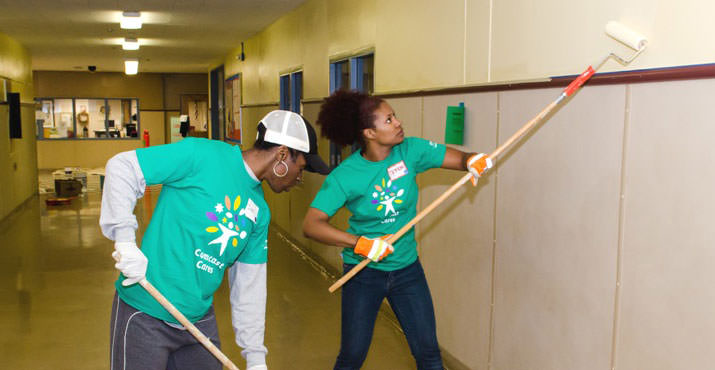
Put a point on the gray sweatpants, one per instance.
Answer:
(141, 342)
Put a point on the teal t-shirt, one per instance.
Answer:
(382, 196)
(210, 214)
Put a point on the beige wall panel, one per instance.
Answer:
(314, 43)
(539, 39)
(18, 157)
(476, 41)
(667, 299)
(18, 161)
(557, 232)
(536, 39)
(147, 87)
(14, 60)
(419, 44)
(280, 48)
(55, 154)
(351, 24)
(176, 85)
(456, 239)
(154, 122)
(299, 40)
(409, 112)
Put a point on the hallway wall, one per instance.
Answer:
(588, 247)
(424, 44)
(18, 158)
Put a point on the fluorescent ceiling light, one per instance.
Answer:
(131, 66)
(130, 44)
(131, 21)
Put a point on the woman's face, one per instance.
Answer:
(388, 129)
(293, 174)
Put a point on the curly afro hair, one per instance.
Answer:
(345, 114)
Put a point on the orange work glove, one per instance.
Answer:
(477, 165)
(374, 249)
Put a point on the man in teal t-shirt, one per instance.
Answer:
(382, 198)
(211, 217)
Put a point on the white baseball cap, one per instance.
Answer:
(293, 130)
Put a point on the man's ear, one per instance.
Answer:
(282, 153)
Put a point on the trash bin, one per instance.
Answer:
(68, 188)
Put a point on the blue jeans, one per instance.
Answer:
(408, 294)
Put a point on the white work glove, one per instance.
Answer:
(374, 249)
(477, 165)
(258, 367)
(130, 261)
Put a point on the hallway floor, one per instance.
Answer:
(56, 289)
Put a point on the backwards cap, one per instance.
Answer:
(292, 130)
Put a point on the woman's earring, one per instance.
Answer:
(276, 165)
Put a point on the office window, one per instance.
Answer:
(87, 118)
(44, 115)
(291, 91)
(354, 73)
(339, 75)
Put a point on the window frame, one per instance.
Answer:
(356, 67)
(40, 130)
(290, 87)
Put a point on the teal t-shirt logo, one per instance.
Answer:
(386, 196)
(228, 222)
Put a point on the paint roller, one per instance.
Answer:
(628, 37)
(613, 29)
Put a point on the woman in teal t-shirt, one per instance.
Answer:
(378, 186)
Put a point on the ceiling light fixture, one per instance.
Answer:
(131, 66)
(131, 21)
(130, 44)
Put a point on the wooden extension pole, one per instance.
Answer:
(187, 324)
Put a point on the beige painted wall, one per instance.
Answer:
(159, 99)
(18, 158)
(431, 44)
(589, 246)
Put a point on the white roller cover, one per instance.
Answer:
(625, 35)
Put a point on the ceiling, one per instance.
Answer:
(177, 35)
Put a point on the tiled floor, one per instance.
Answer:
(56, 289)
